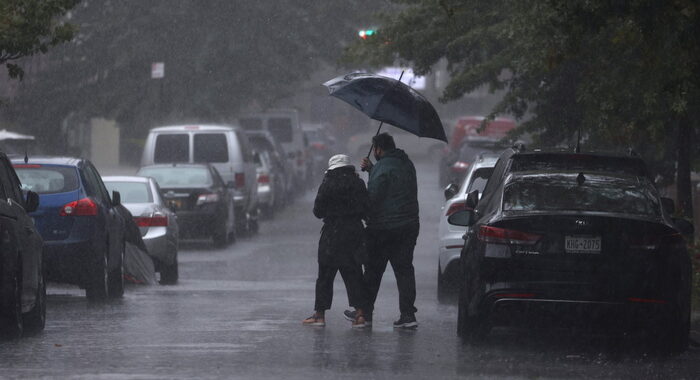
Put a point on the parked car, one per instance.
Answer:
(568, 239)
(284, 125)
(226, 148)
(319, 149)
(264, 141)
(200, 199)
(82, 231)
(466, 141)
(156, 222)
(269, 184)
(22, 283)
(450, 240)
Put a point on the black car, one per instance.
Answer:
(566, 238)
(77, 218)
(199, 197)
(22, 286)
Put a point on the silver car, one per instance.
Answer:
(157, 223)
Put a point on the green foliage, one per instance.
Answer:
(621, 71)
(28, 27)
(219, 55)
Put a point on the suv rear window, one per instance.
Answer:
(281, 128)
(578, 163)
(210, 147)
(131, 192)
(562, 192)
(168, 177)
(48, 179)
(172, 148)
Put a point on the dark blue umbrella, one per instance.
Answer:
(389, 101)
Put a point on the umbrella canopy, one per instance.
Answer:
(390, 101)
(7, 135)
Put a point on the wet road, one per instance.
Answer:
(236, 313)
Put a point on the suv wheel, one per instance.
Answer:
(35, 319)
(11, 324)
(116, 277)
(97, 287)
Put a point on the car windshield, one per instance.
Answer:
(48, 179)
(571, 192)
(178, 176)
(131, 192)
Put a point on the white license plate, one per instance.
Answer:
(582, 244)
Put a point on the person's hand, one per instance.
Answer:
(366, 164)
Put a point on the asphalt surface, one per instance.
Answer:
(237, 312)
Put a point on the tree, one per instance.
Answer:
(622, 72)
(28, 27)
(220, 56)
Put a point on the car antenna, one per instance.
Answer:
(26, 155)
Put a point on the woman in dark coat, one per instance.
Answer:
(342, 202)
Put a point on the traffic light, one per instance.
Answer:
(366, 33)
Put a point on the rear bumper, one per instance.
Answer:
(195, 224)
(160, 245)
(69, 261)
(265, 194)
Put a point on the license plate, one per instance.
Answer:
(582, 244)
(175, 203)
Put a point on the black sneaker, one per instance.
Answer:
(406, 321)
(350, 315)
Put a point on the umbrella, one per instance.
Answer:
(390, 101)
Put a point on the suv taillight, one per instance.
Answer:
(503, 236)
(263, 178)
(81, 207)
(240, 180)
(153, 221)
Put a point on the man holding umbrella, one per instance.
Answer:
(392, 226)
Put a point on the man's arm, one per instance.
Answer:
(320, 204)
(378, 185)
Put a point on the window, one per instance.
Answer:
(172, 148)
(170, 177)
(131, 192)
(210, 147)
(281, 128)
(45, 179)
(479, 179)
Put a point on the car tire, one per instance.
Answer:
(35, 319)
(96, 289)
(470, 328)
(169, 274)
(116, 277)
(443, 295)
(674, 336)
(11, 322)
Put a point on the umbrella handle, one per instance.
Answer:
(380, 127)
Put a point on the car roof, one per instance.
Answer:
(49, 160)
(178, 165)
(195, 128)
(115, 178)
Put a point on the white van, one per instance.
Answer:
(225, 147)
(284, 125)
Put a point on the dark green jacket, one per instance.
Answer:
(393, 192)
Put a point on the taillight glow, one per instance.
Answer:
(81, 207)
(240, 180)
(497, 235)
(263, 178)
(26, 166)
(457, 206)
(319, 146)
(153, 221)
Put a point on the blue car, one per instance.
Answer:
(82, 230)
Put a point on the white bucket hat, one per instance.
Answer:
(338, 161)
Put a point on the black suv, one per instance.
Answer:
(574, 239)
(22, 286)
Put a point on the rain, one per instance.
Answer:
(376, 189)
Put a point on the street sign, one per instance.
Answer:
(157, 70)
(409, 78)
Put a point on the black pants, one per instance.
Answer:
(393, 246)
(352, 276)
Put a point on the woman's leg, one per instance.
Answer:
(324, 287)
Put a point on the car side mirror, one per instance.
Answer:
(230, 185)
(450, 191)
(116, 198)
(32, 202)
(668, 205)
(684, 226)
(464, 218)
(472, 199)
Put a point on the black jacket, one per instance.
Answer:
(393, 191)
(342, 202)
